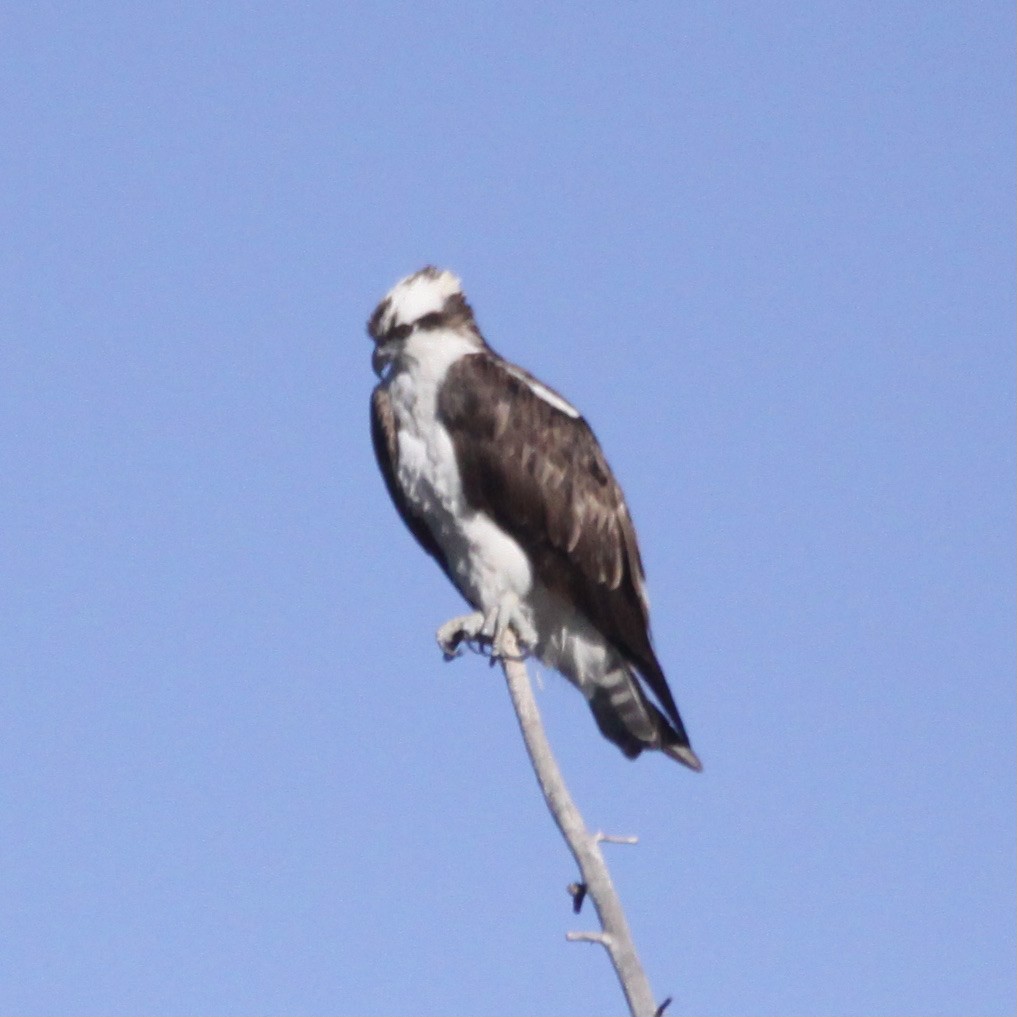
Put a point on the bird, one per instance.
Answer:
(503, 483)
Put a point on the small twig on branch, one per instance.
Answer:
(585, 847)
(607, 838)
(589, 937)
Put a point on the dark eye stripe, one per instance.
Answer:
(436, 319)
(433, 320)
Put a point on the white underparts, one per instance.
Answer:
(487, 563)
(489, 566)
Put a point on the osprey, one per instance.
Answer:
(503, 483)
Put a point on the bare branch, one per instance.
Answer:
(585, 847)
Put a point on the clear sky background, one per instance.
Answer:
(768, 249)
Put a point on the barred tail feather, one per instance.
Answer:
(627, 718)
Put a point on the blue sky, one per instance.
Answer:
(767, 249)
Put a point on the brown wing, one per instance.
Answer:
(386, 451)
(542, 476)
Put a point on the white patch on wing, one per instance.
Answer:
(543, 392)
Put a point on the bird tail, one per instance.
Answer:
(626, 717)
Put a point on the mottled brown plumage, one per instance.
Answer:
(541, 475)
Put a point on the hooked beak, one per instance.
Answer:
(381, 358)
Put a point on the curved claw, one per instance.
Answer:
(465, 629)
(488, 632)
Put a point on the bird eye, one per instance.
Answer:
(399, 331)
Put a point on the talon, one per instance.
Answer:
(454, 633)
(487, 633)
(450, 648)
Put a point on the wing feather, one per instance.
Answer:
(541, 474)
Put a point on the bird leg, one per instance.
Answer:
(504, 616)
(479, 630)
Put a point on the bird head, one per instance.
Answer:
(425, 301)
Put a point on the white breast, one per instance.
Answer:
(486, 562)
